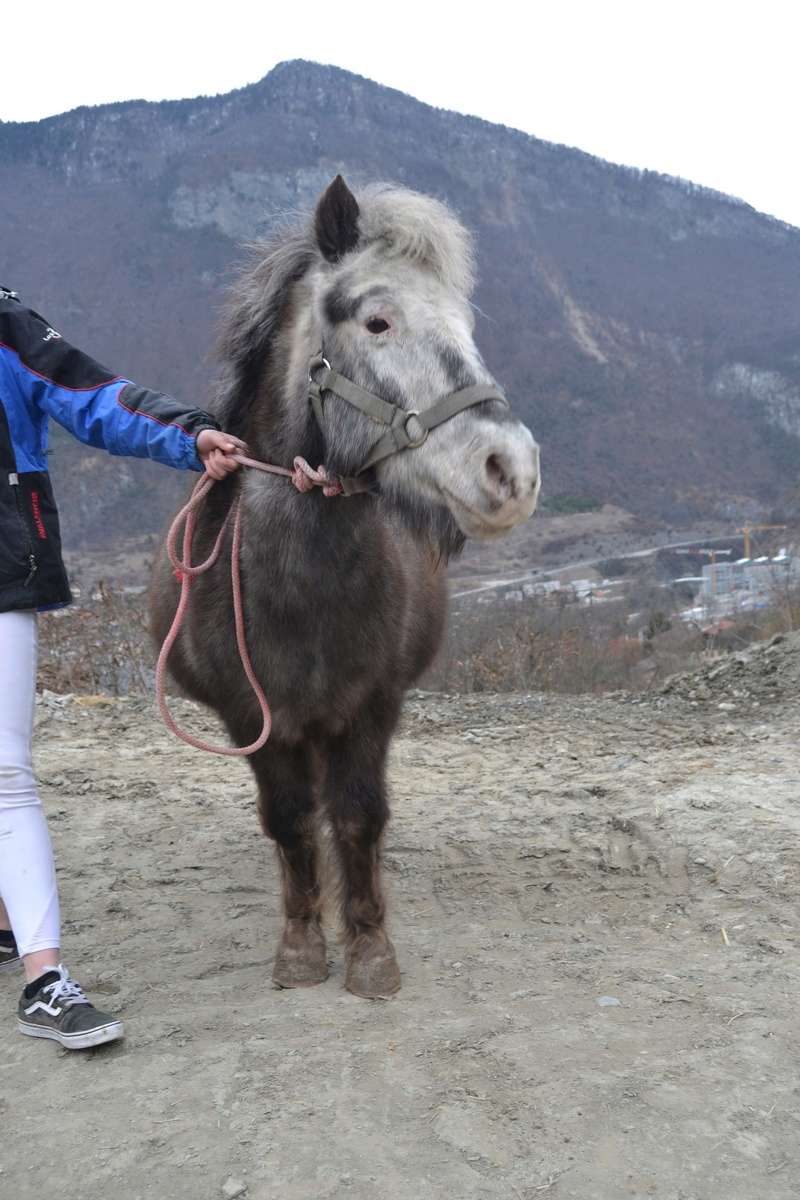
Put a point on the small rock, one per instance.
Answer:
(608, 1001)
(726, 706)
(232, 1188)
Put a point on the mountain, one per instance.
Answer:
(647, 329)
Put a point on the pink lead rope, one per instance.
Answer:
(304, 479)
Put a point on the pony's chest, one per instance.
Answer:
(331, 595)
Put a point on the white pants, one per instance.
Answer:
(27, 873)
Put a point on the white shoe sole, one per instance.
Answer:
(75, 1041)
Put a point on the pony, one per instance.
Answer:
(348, 341)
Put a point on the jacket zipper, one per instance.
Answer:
(13, 479)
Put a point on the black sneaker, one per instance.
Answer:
(58, 1009)
(10, 957)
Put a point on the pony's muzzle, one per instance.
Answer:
(498, 484)
(510, 482)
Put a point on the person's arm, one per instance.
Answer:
(98, 407)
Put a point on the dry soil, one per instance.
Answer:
(595, 902)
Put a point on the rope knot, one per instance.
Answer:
(305, 479)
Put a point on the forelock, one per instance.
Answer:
(418, 228)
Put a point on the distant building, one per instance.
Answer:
(749, 582)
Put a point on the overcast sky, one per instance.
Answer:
(707, 90)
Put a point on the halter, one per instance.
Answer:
(406, 428)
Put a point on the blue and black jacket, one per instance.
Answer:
(42, 376)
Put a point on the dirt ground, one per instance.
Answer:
(595, 903)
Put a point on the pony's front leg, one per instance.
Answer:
(355, 795)
(286, 808)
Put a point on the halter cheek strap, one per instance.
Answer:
(405, 428)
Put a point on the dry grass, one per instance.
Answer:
(103, 645)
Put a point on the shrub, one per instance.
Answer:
(566, 505)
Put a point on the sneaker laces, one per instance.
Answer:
(65, 989)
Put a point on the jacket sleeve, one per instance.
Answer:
(99, 408)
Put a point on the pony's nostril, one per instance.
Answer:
(497, 476)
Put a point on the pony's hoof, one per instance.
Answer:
(302, 959)
(372, 971)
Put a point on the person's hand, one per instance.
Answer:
(216, 450)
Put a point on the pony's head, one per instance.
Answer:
(390, 298)
(380, 287)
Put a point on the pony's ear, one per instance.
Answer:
(336, 221)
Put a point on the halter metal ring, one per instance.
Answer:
(412, 444)
(319, 361)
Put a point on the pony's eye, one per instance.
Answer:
(377, 325)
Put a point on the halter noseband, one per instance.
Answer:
(399, 435)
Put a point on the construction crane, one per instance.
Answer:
(746, 530)
(712, 555)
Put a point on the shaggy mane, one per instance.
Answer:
(252, 318)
